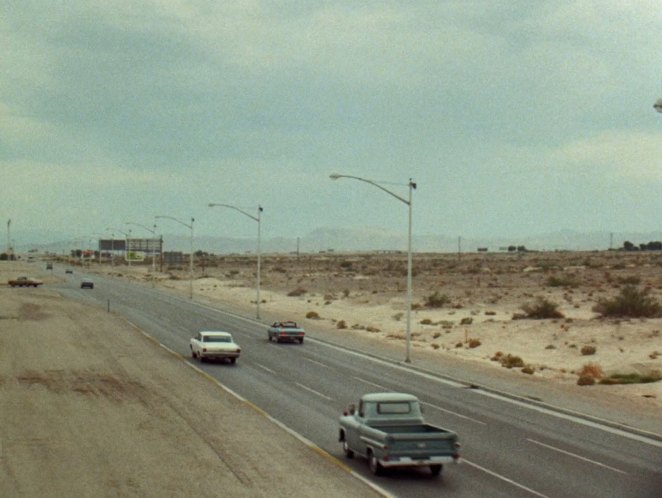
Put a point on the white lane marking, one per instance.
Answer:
(372, 384)
(266, 368)
(572, 418)
(317, 363)
(390, 364)
(594, 462)
(504, 478)
(313, 391)
(453, 413)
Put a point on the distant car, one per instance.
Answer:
(87, 283)
(214, 345)
(49, 266)
(68, 270)
(286, 331)
(25, 282)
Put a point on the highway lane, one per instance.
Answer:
(511, 449)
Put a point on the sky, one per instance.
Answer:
(512, 117)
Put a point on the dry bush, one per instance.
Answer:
(631, 302)
(372, 329)
(474, 343)
(542, 309)
(435, 345)
(426, 321)
(397, 316)
(313, 315)
(592, 370)
(467, 320)
(585, 380)
(341, 324)
(587, 350)
(436, 300)
(511, 361)
(528, 370)
(633, 378)
(299, 291)
(562, 281)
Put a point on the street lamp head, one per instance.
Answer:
(658, 105)
(335, 176)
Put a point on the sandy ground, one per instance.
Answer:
(365, 294)
(91, 407)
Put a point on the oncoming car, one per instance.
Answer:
(214, 345)
(87, 283)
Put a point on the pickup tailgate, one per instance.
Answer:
(421, 445)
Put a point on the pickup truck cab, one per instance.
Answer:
(286, 331)
(214, 345)
(25, 282)
(388, 429)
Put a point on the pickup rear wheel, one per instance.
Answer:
(375, 466)
(348, 453)
(435, 470)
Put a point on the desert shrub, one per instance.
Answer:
(528, 370)
(474, 343)
(397, 316)
(591, 370)
(345, 292)
(562, 281)
(426, 321)
(631, 302)
(436, 300)
(587, 350)
(342, 324)
(373, 329)
(467, 320)
(299, 291)
(541, 309)
(585, 380)
(510, 361)
(313, 315)
(435, 346)
(633, 378)
(436, 335)
(630, 280)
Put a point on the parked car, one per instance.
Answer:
(214, 345)
(49, 266)
(68, 270)
(388, 429)
(286, 331)
(87, 283)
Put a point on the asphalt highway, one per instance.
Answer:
(510, 448)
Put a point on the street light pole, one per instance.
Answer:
(258, 219)
(408, 202)
(126, 243)
(153, 232)
(191, 257)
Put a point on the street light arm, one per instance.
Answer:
(139, 225)
(178, 221)
(213, 204)
(336, 176)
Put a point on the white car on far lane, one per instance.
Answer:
(214, 345)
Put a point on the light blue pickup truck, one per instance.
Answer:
(388, 429)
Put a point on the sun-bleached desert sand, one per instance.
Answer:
(365, 294)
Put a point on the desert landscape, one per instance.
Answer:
(468, 306)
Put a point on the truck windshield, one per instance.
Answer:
(393, 408)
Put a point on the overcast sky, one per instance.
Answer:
(513, 118)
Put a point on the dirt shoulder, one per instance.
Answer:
(91, 407)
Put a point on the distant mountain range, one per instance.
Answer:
(352, 239)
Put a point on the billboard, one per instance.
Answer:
(148, 246)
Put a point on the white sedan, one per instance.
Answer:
(211, 345)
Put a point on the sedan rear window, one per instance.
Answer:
(216, 339)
